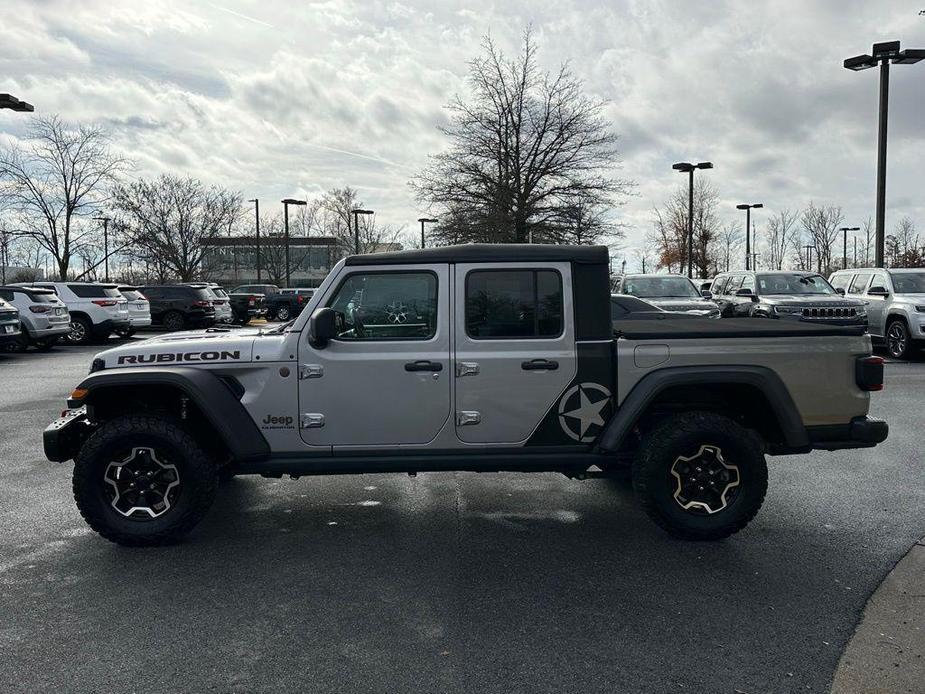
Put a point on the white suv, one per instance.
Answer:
(97, 310)
(43, 316)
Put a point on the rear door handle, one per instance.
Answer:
(423, 365)
(539, 365)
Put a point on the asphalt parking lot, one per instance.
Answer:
(445, 582)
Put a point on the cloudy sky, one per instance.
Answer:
(278, 98)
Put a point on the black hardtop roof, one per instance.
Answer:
(487, 253)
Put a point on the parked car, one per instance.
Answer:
(624, 307)
(10, 327)
(518, 369)
(286, 304)
(787, 295)
(222, 302)
(265, 289)
(179, 306)
(97, 309)
(246, 306)
(43, 316)
(139, 310)
(669, 292)
(895, 304)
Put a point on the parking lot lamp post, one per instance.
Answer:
(688, 168)
(423, 221)
(286, 203)
(809, 256)
(748, 230)
(105, 221)
(844, 244)
(12, 103)
(356, 227)
(257, 236)
(883, 54)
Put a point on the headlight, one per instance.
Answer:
(861, 312)
(789, 310)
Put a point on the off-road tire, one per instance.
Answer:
(197, 473)
(173, 321)
(682, 436)
(82, 335)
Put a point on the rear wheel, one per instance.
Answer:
(143, 480)
(282, 313)
(125, 332)
(17, 344)
(898, 343)
(46, 344)
(700, 476)
(173, 320)
(81, 331)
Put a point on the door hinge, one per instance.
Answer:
(311, 420)
(310, 371)
(466, 368)
(467, 418)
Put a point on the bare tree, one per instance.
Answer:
(903, 248)
(729, 240)
(171, 218)
(60, 174)
(332, 216)
(782, 236)
(821, 225)
(670, 230)
(644, 259)
(868, 230)
(521, 149)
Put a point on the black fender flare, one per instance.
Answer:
(213, 396)
(764, 379)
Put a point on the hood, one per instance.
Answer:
(188, 348)
(917, 299)
(683, 304)
(804, 300)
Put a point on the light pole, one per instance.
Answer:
(423, 221)
(748, 230)
(11, 102)
(286, 203)
(883, 54)
(688, 168)
(809, 256)
(356, 227)
(257, 237)
(844, 244)
(105, 221)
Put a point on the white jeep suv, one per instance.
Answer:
(97, 309)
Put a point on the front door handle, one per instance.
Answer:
(539, 365)
(423, 365)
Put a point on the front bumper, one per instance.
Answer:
(860, 432)
(64, 436)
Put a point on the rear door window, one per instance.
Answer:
(513, 304)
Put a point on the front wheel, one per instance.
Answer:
(143, 480)
(898, 343)
(700, 476)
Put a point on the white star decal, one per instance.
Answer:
(587, 412)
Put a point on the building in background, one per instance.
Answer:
(231, 260)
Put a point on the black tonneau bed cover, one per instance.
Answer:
(727, 327)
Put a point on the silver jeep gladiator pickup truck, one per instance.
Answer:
(473, 358)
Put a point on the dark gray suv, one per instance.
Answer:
(787, 294)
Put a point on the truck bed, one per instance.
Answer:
(727, 328)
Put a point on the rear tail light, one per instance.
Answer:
(105, 302)
(251, 301)
(868, 373)
(299, 299)
(40, 309)
(202, 304)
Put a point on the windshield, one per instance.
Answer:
(909, 282)
(793, 284)
(660, 287)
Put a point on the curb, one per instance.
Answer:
(886, 655)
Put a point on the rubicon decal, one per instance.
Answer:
(173, 357)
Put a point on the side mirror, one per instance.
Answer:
(840, 291)
(878, 291)
(744, 291)
(706, 294)
(322, 327)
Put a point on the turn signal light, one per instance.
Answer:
(79, 393)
